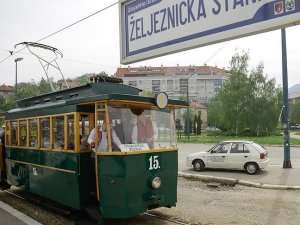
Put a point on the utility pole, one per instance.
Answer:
(16, 88)
(285, 111)
(188, 111)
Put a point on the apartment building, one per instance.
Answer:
(201, 82)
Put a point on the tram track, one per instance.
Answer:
(24, 197)
(165, 219)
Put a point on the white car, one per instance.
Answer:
(238, 155)
(212, 129)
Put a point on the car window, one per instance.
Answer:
(222, 148)
(238, 148)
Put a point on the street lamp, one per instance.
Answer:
(16, 61)
(188, 110)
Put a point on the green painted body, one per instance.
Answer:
(45, 173)
(125, 183)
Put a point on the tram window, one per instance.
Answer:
(45, 132)
(23, 133)
(84, 122)
(98, 138)
(58, 132)
(137, 124)
(7, 132)
(71, 141)
(14, 133)
(33, 130)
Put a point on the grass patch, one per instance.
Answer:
(268, 140)
(297, 133)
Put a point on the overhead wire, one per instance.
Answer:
(213, 55)
(64, 28)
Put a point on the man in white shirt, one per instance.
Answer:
(99, 140)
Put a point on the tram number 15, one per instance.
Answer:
(154, 163)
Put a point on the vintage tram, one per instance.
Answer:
(48, 148)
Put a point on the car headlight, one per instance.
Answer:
(156, 183)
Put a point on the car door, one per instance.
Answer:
(217, 157)
(239, 154)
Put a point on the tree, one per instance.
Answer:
(83, 79)
(215, 112)
(195, 125)
(295, 113)
(234, 95)
(44, 86)
(199, 123)
(247, 100)
(27, 90)
(263, 107)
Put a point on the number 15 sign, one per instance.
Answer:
(151, 28)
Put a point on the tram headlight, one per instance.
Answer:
(156, 183)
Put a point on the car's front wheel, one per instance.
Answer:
(198, 165)
(251, 168)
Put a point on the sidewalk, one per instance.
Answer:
(9, 215)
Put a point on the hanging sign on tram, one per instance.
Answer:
(151, 28)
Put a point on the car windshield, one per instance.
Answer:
(213, 148)
(136, 124)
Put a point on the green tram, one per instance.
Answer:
(49, 150)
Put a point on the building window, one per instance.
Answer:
(155, 86)
(169, 85)
(183, 83)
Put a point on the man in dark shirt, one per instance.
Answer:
(124, 129)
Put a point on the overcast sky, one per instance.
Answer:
(92, 46)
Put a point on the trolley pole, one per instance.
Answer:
(285, 111)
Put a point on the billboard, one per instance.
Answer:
(151, 28)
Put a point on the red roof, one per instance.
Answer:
(5, 88)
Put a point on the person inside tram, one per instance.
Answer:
(124, 129)
(98, 139)
(145, 130)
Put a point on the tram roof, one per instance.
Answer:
(86, 93)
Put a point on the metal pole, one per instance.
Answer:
(285, 113)
(188, 111)
(16, 89)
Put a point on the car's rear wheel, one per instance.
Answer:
(198, 165)
(251, 168)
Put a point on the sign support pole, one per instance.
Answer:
(285, 112)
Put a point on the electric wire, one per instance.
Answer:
(213, 55)
(64, 28)
(68, 60)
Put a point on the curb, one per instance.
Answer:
(232, 181)
(17, 214)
